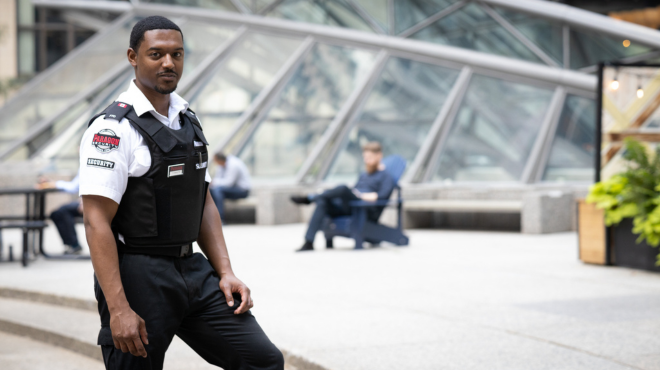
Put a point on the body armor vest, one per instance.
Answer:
(163, 207)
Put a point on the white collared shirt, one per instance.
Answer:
(105, 168)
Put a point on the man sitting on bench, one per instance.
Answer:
(374, 184)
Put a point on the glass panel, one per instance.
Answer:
(54, 91)
(408, 13)
(238, 80)
(573, 149)
(64, 149)
(398, 113)
(256, 5)
(303, 110)
(546, 34)
(589, 48)
(493, 132)
(377, 10)
(209, 4)
(471, 27)
(200, 40)
(328, 12)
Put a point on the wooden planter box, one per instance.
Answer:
(625, 250)
(592, 236)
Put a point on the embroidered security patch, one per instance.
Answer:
(175, 170)
(105, 141)
(101, 163)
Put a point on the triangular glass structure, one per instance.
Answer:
(329, 12)
(408, 13)
(470, 27)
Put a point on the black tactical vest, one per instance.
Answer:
(163, 207)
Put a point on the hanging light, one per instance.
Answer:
(614, 85)
(626, 43)
(640, 92)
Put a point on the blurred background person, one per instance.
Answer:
(64, 217)
(231, 181)
(373, 184)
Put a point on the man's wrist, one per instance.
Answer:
(118, 305)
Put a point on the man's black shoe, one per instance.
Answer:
(300, 199)
(306, 247)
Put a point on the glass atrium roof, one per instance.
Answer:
(465, 91)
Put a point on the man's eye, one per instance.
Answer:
(177, 54)
(155, 54)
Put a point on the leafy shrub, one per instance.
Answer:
(635, 193)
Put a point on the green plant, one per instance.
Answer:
(634, 193)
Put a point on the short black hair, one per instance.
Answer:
(220, 156)
(154, 22)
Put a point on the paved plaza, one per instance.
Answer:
(451, 300)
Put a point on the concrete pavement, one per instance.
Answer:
(452, 300)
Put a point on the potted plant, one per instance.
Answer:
(631, 203)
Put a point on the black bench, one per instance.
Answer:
(26, 227)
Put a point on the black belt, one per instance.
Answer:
(182, 251)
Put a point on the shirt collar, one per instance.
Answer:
(142, 105)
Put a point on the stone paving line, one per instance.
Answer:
(452, 300)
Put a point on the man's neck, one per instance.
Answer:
(160, 102)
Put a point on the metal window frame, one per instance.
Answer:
(566, 45)
(82, 48)
(212, 59)
(262, 102)
(544, 138)
(57, 142)
(531, 45)
(367, 17)
(344, 116)
(268, 8)
(441, 121)
(389, 43)
(45, 123)
(433, 18)
(565, 14)
(241, 7)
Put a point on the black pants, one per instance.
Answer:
(64, 219)
(181, 296)
(334, 203)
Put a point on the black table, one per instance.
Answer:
(32, 222)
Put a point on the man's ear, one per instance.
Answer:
(132, 57)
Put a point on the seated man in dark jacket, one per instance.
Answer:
(374, 184)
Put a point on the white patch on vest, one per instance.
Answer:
(198, 143)
(200, 166)
(175, 170)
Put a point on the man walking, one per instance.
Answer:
(231, 181)
(144, 184)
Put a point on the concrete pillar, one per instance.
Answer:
(8, 43)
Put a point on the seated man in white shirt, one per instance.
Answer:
(231, 181)
(64, 217)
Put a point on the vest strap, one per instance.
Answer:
(156, 130)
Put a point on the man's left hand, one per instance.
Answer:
(230, 284)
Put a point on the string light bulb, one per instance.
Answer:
(614, 85)
(640, 92)
(626, 43)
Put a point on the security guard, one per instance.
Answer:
(144, 184)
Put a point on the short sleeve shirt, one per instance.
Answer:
(112, 151)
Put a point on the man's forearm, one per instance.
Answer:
(103, 250)
(211, 239)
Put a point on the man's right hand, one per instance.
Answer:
(129, 332)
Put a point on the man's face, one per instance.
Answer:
(220, 163)
(371, 160)
(158, 62)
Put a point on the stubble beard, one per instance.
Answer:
(160, 90)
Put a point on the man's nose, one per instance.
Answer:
(168, 63)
